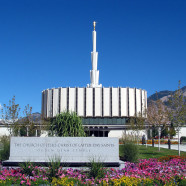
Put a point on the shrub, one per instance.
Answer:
(130, 152)
(27, 168)
(95, 169)
(67, 124)
(182, 182)
(128, 138)
(54, 165)
(5, 152)
(183, 139)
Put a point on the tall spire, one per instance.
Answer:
(94, 73)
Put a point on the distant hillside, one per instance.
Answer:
(164, 95)
(36, 116)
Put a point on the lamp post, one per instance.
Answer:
(169, 142)
(159, 132)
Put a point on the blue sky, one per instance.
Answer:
(46, 44)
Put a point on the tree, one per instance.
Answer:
(177, 112)
(10, 115)
(164, 132)
(18, 126)
(5, 151)
(67, 124)
(172, 130)
(168, 131)
(27, 126)
(154, 131)
(137, 123)
(157, 116)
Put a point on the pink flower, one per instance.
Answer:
(63, 175)
(22, 181)
(28, 182)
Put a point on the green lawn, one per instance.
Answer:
(153, 152)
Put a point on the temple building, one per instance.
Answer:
(102, 109)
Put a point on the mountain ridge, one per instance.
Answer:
(164, 95)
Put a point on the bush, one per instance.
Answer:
(27, 168)
(128, 138)
(67, 124)
(96, 170)
(183, 139)
(182, 182)
(130, 152)
(54, 166)
(5, 151)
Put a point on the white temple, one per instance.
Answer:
(102, 109)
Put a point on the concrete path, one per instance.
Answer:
(174, 147)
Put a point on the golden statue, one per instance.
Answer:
(94, 24)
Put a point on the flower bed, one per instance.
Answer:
(164, 171)
(168, 158)
(162, 141)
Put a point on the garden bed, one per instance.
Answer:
(163, 171)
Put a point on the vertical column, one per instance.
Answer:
(144, 103)
(138, 101)
(81, 102)
(98, 102)
(132, 101)
(45, 103)
(89, 102)
(115, 102)
(124, 102)
(72, 99)
(49, 103)
(55, 102)
(106, 102)
(63, 101)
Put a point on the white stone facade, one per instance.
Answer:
(67, 149)
(94, 102)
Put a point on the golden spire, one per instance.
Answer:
(94, 24)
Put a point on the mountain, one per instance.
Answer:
(36, 116)
(164, 95)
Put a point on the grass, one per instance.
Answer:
(153, 152)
